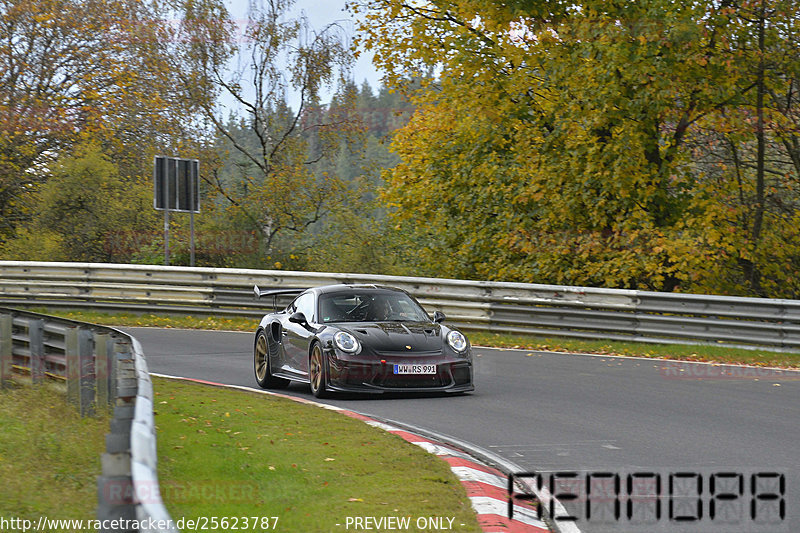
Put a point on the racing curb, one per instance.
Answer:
(486, 486)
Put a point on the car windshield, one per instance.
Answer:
(370, 306)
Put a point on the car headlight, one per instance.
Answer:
(345, 342)
(457, 341)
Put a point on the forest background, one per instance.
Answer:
(648, 144)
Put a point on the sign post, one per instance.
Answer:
(176, 187)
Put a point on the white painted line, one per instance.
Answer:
(437, 449)
(381, 425)
(546, 498)
(465, 473)
(484, 505)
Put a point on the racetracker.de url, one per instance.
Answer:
(203, 523)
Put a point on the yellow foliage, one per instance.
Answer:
(588, 146)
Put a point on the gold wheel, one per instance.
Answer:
(261, 359)
(316, 372)
(262, 353)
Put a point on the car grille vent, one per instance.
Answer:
(461, 375)
(405, 383)
(406, 353)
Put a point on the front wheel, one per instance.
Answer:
(317, 372)
(261, 365)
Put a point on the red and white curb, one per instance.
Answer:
(486, 486)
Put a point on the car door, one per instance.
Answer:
(298, 335)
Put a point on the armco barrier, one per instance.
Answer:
(101, 366)
(499, 307)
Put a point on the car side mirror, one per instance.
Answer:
(298, 318)
(438, 317)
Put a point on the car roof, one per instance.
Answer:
(342, 287)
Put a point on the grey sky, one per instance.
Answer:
(321, 13)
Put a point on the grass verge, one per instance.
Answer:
(156, 321)
(240, 455)
(49, 455)
(226, 454)
(684, 352)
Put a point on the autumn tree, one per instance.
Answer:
(557, 141)
(750, 152)
(75, 73)
(281, 183)
(84, 205)
(46, 75)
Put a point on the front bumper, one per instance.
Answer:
(360, 375)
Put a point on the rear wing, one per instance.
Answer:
(275, 293)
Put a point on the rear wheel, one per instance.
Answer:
(317, 372)
(261, 365)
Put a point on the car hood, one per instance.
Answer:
(395, 337)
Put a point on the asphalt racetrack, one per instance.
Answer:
(720, 447)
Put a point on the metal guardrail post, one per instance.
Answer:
(73, 372)
(36, 348)
(79, 351)
(6, 349)
(112, 371)
(104, 369)
(87, 372)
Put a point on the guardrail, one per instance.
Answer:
(81, 355)
(101, 367)
(550, 310)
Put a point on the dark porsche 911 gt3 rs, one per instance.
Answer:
(359, 338)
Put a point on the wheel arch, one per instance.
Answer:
(322, 391)
(315, 340)
(275, 331)
(267, 359)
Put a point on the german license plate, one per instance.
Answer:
(414, 369)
